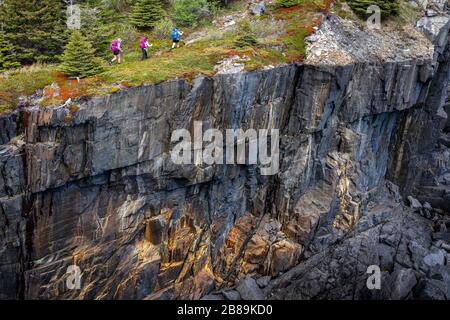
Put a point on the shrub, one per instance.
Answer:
(97, 31)
(36, 29)
(267, 28)
(118, 6)
(286, 3)
(162, 29)
(7, 60)
(190, 12)
(246, 36)
(78, 59)
(214, 35)
(388, 7)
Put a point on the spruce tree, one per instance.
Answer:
(7, 60)
(79, 58)
(146, 13)
(35, 28)
(99, 30)
(286, 3)
(388, 7)
(246, 36)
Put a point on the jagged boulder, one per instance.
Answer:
(399, 284)
(435, 258)
(435, 28)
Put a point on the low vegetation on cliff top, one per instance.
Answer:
(213, 30)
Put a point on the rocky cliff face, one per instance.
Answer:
(94, 186)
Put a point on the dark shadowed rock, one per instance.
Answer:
(249, 290)
(399, 284)
(212, 297)
(263, 281)
(231, 295)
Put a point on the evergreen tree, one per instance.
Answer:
(35, 28)
(7, 60)
(79, 58)
(146, 13)
(190, 12)
(286, 3)
(388, 7)
(99, 30)
(246, 37)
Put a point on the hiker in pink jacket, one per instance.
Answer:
(116, 51)
(144, 45)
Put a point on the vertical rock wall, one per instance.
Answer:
(96, 188)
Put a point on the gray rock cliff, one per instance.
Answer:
(97, 188)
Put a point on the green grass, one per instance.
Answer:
(339, 10)
(300, 22)
(23, 82)
(388, 7)
(184, 61)
(407, 15)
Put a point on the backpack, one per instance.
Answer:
(114, 45)
(142, 44)
(175, 34)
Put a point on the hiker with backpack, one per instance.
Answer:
(176, 35)
(144, 45)
(116, 51)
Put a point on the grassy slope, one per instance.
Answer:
(188, 62)
(23, 82)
